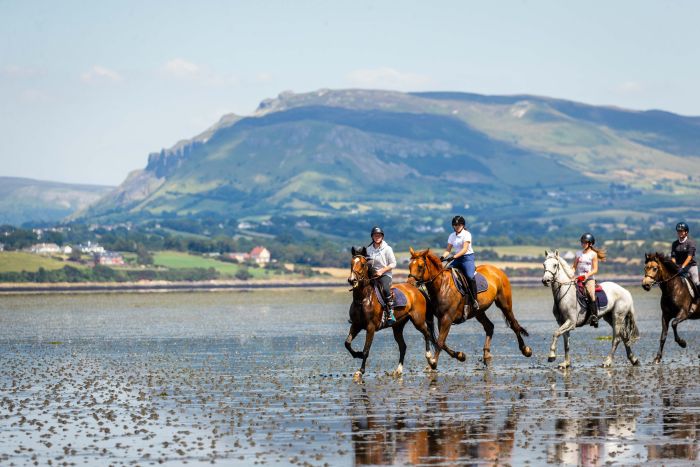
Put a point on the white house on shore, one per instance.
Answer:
(44, 249)
(91, 248)
(260, 255)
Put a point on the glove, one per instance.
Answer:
(581, 278)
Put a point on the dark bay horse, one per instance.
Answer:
(677, 304)
(426, 268)
(366, 312)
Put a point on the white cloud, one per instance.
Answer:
(18, 71)
(387, 78)
(181, 68)
(185, 70)
(99, 73)
(631, 87)
(263, 77)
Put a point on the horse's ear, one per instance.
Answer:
(556, 253)
(364, 251)
(413, 253)
(352, 250)
(546, 253)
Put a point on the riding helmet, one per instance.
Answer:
(458, 220)
(376, 229)
(682, 226)
(588, 237)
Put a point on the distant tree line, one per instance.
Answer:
(106, 274)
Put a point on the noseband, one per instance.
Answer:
(658, 282)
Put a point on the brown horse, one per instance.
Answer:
(677, 304)
(366, 312)
(426, 268)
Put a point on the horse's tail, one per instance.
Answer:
(630, 331)
(430, 323)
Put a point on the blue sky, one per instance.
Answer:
(88, 89)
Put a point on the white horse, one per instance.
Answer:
(619, 313)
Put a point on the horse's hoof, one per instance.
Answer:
(527, 351)
(487, 360)
(551, 358)
(563, 366)
(433, 364)
(606, 364)
(657, 360)
(635, 362)
(461, 357)
(357, 376)
(683, 344)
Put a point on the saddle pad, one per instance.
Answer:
(601, 297)
(481, 283)
(690, 287)
(400, 298)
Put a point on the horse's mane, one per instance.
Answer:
(665, 261)
(568, 270)
(430, 258)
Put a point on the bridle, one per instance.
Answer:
(420, 281)
(554, 275)
(653, 278)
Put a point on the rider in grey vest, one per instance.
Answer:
(383, 261)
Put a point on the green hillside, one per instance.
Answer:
(387, 154)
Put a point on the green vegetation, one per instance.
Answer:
(20, 261)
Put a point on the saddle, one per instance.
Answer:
(482, 284)
(601, 299)
(400, 299)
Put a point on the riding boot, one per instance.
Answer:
(390, 318)
(472, 292)
(593, 310)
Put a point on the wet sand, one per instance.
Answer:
(263, 378)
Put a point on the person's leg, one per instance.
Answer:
(695, 282)
(388, 299)
(470, 268)
(592, 305)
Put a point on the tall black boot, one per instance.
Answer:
(593, 311)
(472, 291)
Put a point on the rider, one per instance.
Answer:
(463, 258)
(683, 253)
(382, 260)
(586, 266)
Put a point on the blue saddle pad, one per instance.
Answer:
(601, 297)
(481, 283)
(400, 298)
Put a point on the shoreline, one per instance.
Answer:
(12, 288)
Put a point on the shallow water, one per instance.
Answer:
(263, 378)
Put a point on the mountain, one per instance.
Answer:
(24, 200)
(340, 153)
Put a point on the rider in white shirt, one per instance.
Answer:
(586, 266)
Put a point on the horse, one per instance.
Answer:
(677, 304)
(366, 313)
(448, 303)
(619, 313)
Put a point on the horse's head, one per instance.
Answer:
(359, 267)
(551, 267)
(653, 269)
(423, 266)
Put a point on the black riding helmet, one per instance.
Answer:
(588, 237)
(458, 220)
(376, 229)
(682, 226)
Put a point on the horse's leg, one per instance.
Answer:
(630, 355)
(615, 341)
(504, 301)
(354, 330)
(425, 327)
(680, 317)
(445, 324)
(664, 332)
(488, 328)
(567, 356)
(568, 325)
(398, 336)
(365, 352)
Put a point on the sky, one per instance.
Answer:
(88, 89)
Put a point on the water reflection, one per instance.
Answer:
(444, 431)
(680, 426)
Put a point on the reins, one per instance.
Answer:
(659, 282)
(422, 282)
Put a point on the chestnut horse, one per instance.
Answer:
(366, 312)
(426, 268)
(677, 304)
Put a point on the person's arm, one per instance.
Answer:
(446, 253)
(691, 255)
